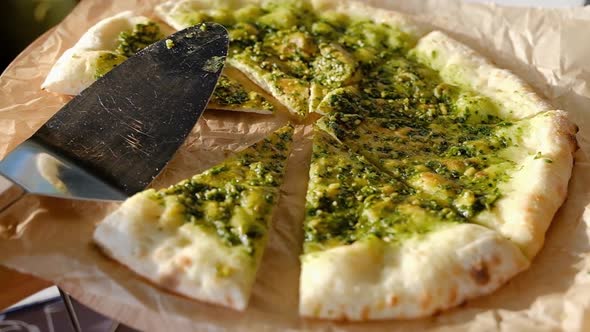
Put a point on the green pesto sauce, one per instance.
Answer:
(106, 62)
(458, 164)
(214, 209)
(285, 38)
(140, 37)
(214, 64)
(129, 43)
(229, 92)
(402, 87)
(234, 199)
(353, 200)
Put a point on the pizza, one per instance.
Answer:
(112, 40)
(433, 177)
(203, 237)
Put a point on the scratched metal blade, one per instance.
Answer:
(125, 127)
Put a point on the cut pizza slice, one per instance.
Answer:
(439, 77)
(263, 43)
(203, 237)
(488, 173)
(375, 248)
(104, 46)
(351, 49)
(233, 94)
(291, 91)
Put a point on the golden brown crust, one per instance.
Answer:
(539, 187)
(418, 278)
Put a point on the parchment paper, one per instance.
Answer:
(50, 238)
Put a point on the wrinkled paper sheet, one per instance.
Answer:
(51, 238)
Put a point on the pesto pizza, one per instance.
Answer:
(433, 177)
(203, 237)
(434, 174)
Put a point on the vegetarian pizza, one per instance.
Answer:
(433, 176)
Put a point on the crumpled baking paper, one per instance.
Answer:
(51, 238)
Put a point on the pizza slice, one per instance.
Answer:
(203, 237)
(104, 46)
(291, 91)
(278, 54)
(375, 248)
(232, 94)
(263, 43)
(476, 170)
(351, 48)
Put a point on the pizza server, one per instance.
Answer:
(115, 137)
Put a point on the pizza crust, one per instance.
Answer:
(104, 35)
(538, 187)
(360, 10)
(171, 11)
(423, 275)
(74, 71)
(460, 65)
(184, 260)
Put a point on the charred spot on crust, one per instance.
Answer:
(480, 274)
(437, 312)
(229, 301)
(495, 260)
(426, 301)
(185, 261)
(365, 313)
(453, 294)
(393, 300)
(169, 279)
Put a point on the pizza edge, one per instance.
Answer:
(419, 276)
(75, 69)
(356, 9)
(114, 238)
(461, 65)
(536, 201)
(536, 190)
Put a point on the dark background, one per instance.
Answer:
(22, 21)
